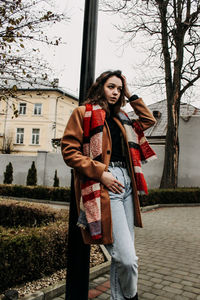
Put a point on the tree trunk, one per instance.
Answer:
(173, 85)
(170, 170)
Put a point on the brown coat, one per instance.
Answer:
(71, 145)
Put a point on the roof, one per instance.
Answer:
(57, 89)
(26, 86)
(160, 128)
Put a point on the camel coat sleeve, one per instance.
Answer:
(71, 146)
(146, 119)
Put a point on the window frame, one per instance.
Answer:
(24, 106)
(37, 111)
(35, 137)
(19, 136)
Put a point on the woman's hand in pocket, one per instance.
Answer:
(111, 182)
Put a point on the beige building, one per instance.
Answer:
(42, 116)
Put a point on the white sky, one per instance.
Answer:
(66, 59)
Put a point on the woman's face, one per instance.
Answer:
(112, 89)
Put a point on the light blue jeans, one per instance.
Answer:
(124, 262)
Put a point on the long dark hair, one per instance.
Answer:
(96, 94)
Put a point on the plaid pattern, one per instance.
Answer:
(139, 149)
(90, 207)
(90, 204)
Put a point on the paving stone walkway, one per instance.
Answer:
(168, 248)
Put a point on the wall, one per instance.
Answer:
(45, 175)
(20, 164)
(47, 163)
(189, 163)
(153, 169)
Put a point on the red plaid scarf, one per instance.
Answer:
(139, 149)
(90, 205)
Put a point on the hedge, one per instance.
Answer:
(16, 213)
(30, 253)
(155, 196)
(171, 196)
(36, 192)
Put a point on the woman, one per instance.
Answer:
(105, 150)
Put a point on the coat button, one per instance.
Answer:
(108, 151)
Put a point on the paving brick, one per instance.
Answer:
(99, 279)
(181, 297)
(106, 283)
(143, 276)
(161, 298)
(166, 283)
(93, 293)
(156, 280)
(103, 297)
(173, 279)
(158, 286)
(189, 295)
(148, 296)
(193, 279)
(186, 282)
(146, 283)
(180, 272)
(155, 275)
(192, 289)
(176, 285)
(102, 288)
(164, 271)
(169, 295)
(167, 248)
(172, 290)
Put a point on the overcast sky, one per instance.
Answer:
(66, 59)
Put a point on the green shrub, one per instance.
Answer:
(8, 174)
(15, 214)
(56, 180)
(32, 175)
(171, 196)
(29, 254)
(36, 192)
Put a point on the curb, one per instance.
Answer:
(156, 206)
(59, 288)
(36, 200)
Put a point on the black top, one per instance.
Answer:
(115, 131)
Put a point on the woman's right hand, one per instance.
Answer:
(126, 89)
(111, 182)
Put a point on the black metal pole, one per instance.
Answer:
(88, 47)
(78, 254)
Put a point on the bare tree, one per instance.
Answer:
(173, 26)
(23, 25)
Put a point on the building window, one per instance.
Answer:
(22, 108)
(37, 109)
(20, 136)
(35, 136)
